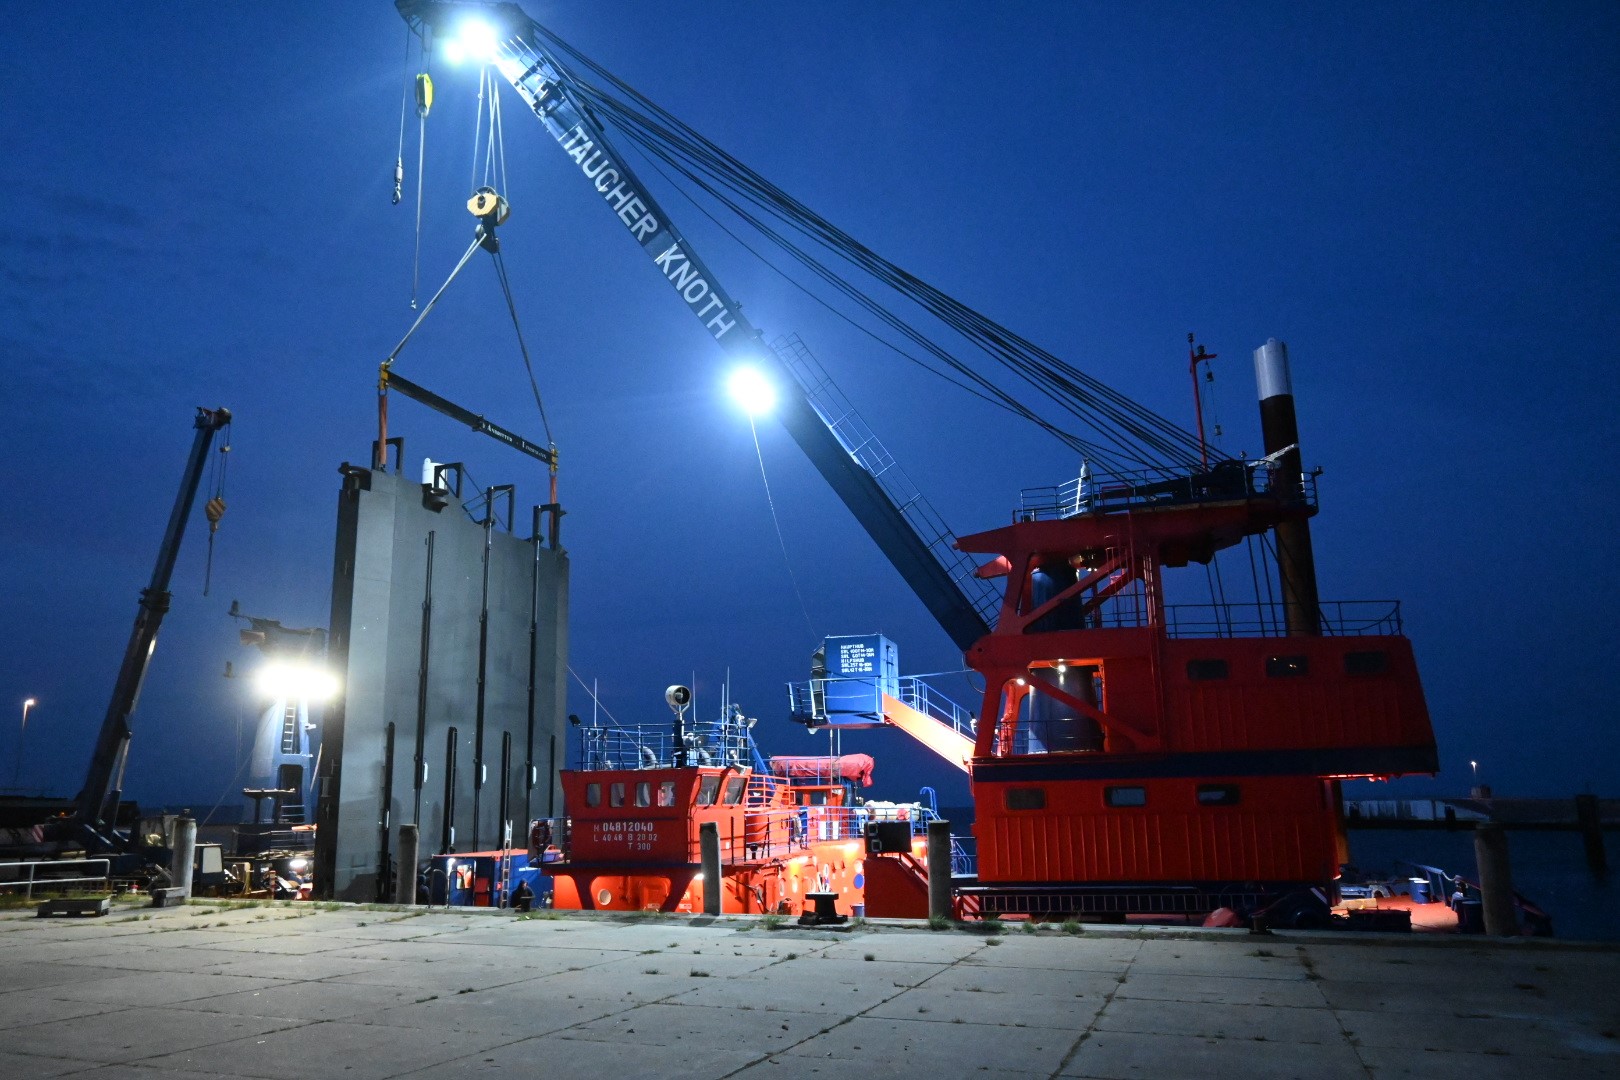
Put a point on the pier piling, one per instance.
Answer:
(709, 856)
(405, 875)
(939, 869)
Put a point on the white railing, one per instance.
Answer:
(8, 880)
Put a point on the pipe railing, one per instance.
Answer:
(33, 879)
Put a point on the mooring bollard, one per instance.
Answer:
(1495, 880)
(405, 874)
(1591, 825)
(185, 853)
(939, 870)
(709, 860)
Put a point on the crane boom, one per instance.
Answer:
(97, 800)
(544, 85)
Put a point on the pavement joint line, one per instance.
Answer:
(852, 1017)
(1309, 963)
(1091, 1028)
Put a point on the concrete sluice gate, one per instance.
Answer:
(449, 632)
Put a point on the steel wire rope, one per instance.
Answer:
(993, 398)
(777, 524)
(652, 146)
(511, 307)
(994, 340)
(424, 312)
(1153, 430)
(992, 392)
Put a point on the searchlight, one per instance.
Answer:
(305, 682)
(752, 390)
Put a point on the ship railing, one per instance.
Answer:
(1226, 481)
(863, 445)
(53, 874)
(1337, 618)
(917, 693)
(705, 742)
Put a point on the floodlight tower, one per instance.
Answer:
(291, 679)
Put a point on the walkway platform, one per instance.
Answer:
(322, 993)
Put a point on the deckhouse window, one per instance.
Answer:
(593, 794)
(666, 793)
(708, 788)
(1026, 798)
(1372, 662)
(734, 789)
(616, 795)
(1217, 794)
(644, 793)
(1198, 670)
(1287, 667)
(1125, 796)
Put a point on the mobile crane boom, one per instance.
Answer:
(542, 82)
(97, 802)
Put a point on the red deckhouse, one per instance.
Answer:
(1135, 756)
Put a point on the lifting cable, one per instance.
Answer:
(214, 508)
(491, 210)
(776, 522)
(1138, 434)
(404, 102)
(424, 105)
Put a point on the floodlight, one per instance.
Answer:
(752, 390)
(476, 40)
(301, 681)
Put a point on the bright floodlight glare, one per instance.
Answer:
(300, 681)
(454, 51)
(477, 38)
(752, 390)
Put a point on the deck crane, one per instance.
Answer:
(1128, 758)
(936, 573)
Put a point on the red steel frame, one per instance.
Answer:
(1204, 789)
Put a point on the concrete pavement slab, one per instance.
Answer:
(1220, 1021)
(1225, 990)
(338, 1050)
(1123, 1055)
(1074, 1014)
(518, 1012)
(157, 988)
(1051, 982)
(1392, 1063)
(30, 1065)
(1242, 955)
(132, 1034)
(561, 1056)
(673, 1025)
(21, 1008)
(941, 1049)
(309, 1000)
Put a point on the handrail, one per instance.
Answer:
(105, 877)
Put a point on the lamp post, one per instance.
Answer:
(16, 771)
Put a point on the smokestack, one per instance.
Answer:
(1296, 565)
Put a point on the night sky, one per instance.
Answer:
(1420, 199)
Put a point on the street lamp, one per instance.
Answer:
(16, 773)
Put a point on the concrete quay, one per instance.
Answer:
(317, 992)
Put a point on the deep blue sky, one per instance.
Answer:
(1420, 199)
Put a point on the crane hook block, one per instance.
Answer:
(424, 94)
(489, 207)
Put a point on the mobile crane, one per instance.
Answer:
(90, 822)
(1129, 758)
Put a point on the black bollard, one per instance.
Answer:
(1591, 825)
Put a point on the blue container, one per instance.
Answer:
(860, 670)
(1420, 890)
